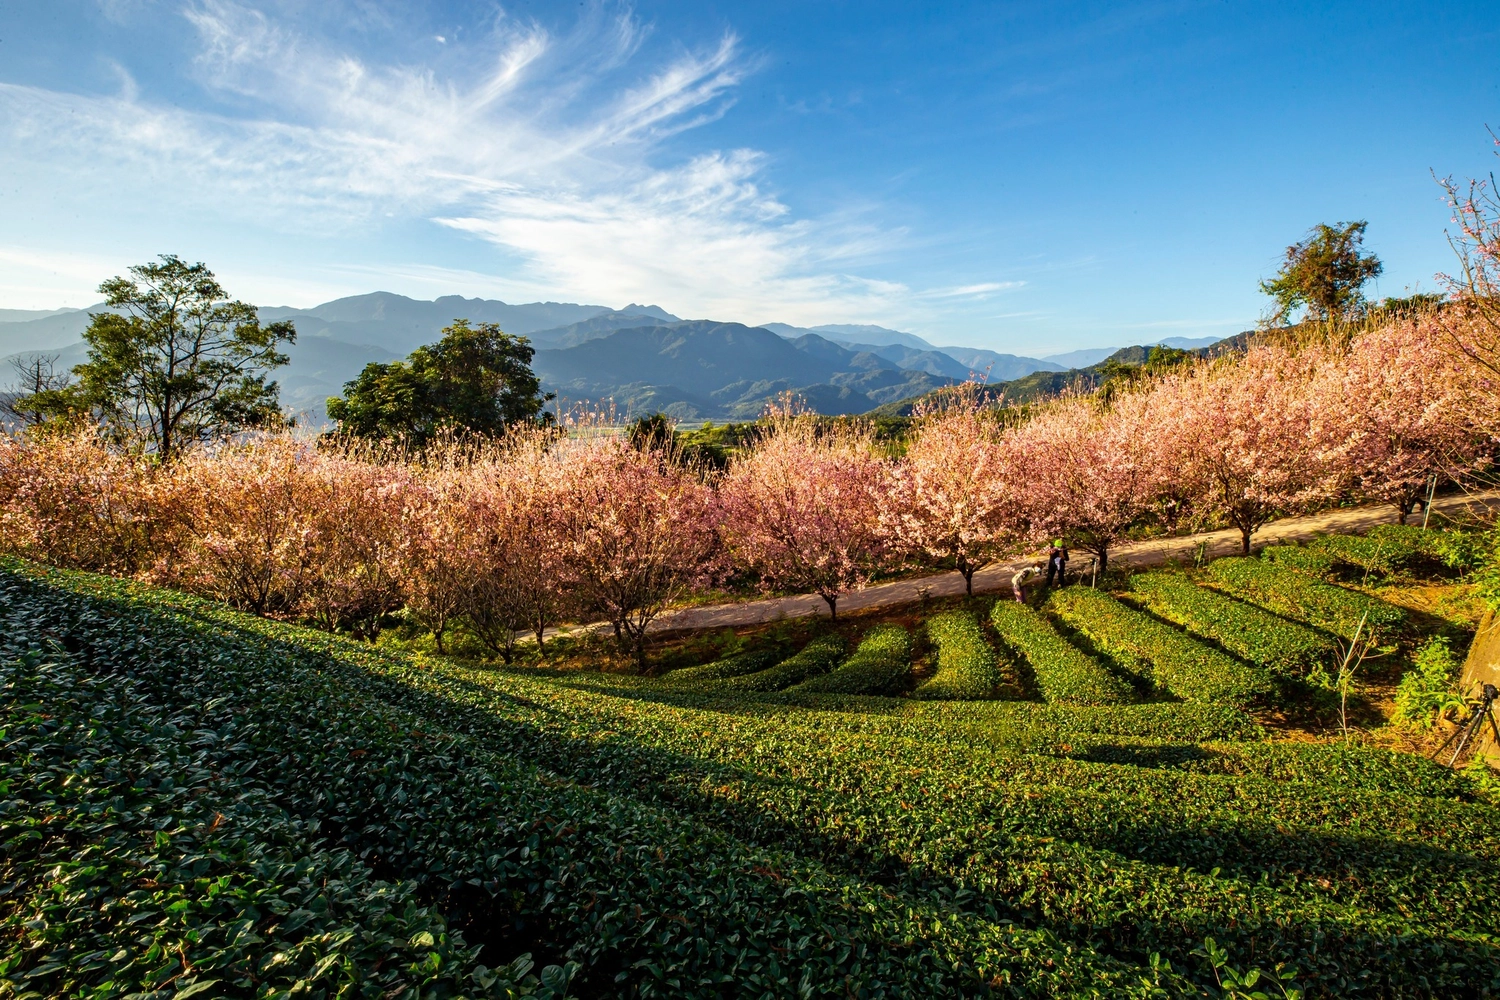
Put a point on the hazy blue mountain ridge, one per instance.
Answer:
(705, 369)
(595, 327)
(642, 356)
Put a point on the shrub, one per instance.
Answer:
(1387, 549)
(1178, 663)
(1335, 609)
(881, 665)
(817, 657)
(1464, 551)
(429, 772)
(68, 500)
(1251, 633)
(690, 851)
(1313, 562)
(1063, 672)
(1426, 690)
(1341, 764)
(119, 881)
(725, 667)
(967, 666)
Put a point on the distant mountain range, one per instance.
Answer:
(641, 356)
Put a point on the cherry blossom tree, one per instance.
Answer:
(356, 540)
(438, 553)
(1246, 438)
(250, 522)
(640, 532)
(1090, 473)
(1472, 324)
(802, 510)
(954, 496)
(1397, 420)
(68, 500)
(521, 578)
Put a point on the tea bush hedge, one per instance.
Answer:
(755, 847)
(1303, 559)
(650, 903)
(1176, 662)
(142, 853)
(1387, 549)
(725, 667)
(1336, 609)
(967, 666)
(1063, 672)
(881, 664)
(1249, 632)
(818, 657)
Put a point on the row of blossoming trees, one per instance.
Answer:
(542, 529)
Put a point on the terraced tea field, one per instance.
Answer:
(203, 802)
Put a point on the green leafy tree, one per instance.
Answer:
(1324, 274)
(653, 433)
(179, 362)
(475, 379)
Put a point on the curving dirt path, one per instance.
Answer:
(997, 577)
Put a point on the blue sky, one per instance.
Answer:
(1030, 178)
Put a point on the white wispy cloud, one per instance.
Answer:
(545, 145)
(978, 291)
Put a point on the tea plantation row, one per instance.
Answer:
(688, 839)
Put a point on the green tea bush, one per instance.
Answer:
(1313, 562)
(649, 902)
(726, 667)
(817, 657)
(1387, 549)
(1063, 672)
(683, 842)
(1465, 551)
(1343, 763)
(1335, 609)
(967, 666)
(1251, 633)
(881, 664)
(1177, 662)
(143, 853)
(1426, 691)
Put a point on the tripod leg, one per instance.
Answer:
(1451, 737)
(1469, 730)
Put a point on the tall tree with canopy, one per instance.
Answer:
(476, 380)
(1325, 274)
(179, 362)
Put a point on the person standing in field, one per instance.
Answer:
(1019, 580)
(1055, 563)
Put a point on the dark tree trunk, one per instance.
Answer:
(1407, 505)
(833, 605)
(1245, 534)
